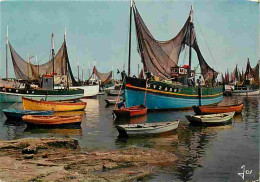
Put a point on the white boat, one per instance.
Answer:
(146, 128)
(112, 101)
(211, 119)
(89, 90)
(246, 92)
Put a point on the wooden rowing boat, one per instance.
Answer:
(211, 119)
(131, 111)
(17, 114)
(146, 128)
(30, 104)
(218, 109)
(51, 120)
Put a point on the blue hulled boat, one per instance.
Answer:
(161, 95)
(162, 83)
(16, 114)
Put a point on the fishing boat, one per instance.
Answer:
(112, 101)
(45, 76)
(30, 104)
(131, 111)
(16, 114)
(218, 109)
(211, 119)
(170, 86)
(146, 128)
(12, 94)
(51, 120)
(243, 84)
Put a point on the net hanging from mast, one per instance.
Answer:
(28, 71)
(104, 77)
(159, 56)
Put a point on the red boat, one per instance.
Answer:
(131, 111)
(218, 109)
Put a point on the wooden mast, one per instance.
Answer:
(52, 50)
(190, 51)
(67, 63)
(130, 28)
(6, 63)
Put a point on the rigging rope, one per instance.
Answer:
(206, 43)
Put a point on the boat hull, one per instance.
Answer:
(146, 128)
(14, 114)
(246, 92)
(131, 112)
(29, 104)
(89, 90)
(211, 120)
(53, 120)
(112, 101)
(12, 95)
(217, 109)
(176, 97)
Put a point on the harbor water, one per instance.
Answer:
(221, 153)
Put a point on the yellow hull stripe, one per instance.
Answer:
(170, 93)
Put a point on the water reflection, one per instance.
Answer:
(131, 120)
(201, 151)
(61, 131)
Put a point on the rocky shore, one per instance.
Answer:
(60, 159)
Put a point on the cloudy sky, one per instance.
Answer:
(227, 30)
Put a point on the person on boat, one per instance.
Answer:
(121, 105)
(199, 81)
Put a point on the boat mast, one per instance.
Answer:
(52, 50)
(78, 70)
(130, 28)
(190, 29)
(6, 63)
(28, 67)
(67, 63)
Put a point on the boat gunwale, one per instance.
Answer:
(54, 102)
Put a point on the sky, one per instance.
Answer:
(97, 31)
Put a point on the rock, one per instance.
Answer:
(59, 159)
(30, 150)
(28, 156)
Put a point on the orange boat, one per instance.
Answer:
(218, 109)
(30, 104)
(131, 111)
(51, 120)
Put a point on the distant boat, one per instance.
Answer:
(113, 92)
(30, 104)
(12, 95)
(218, 109)
(18, 114)
(54, 71)
(146, 128)
(89, 90)
(131, 111)
(211, 119)
(51, 120)
(246, 92)
(112, 101)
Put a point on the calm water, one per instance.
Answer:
(205, 153)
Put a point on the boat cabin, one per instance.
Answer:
(179, 74)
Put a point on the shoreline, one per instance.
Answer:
(62, 159)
